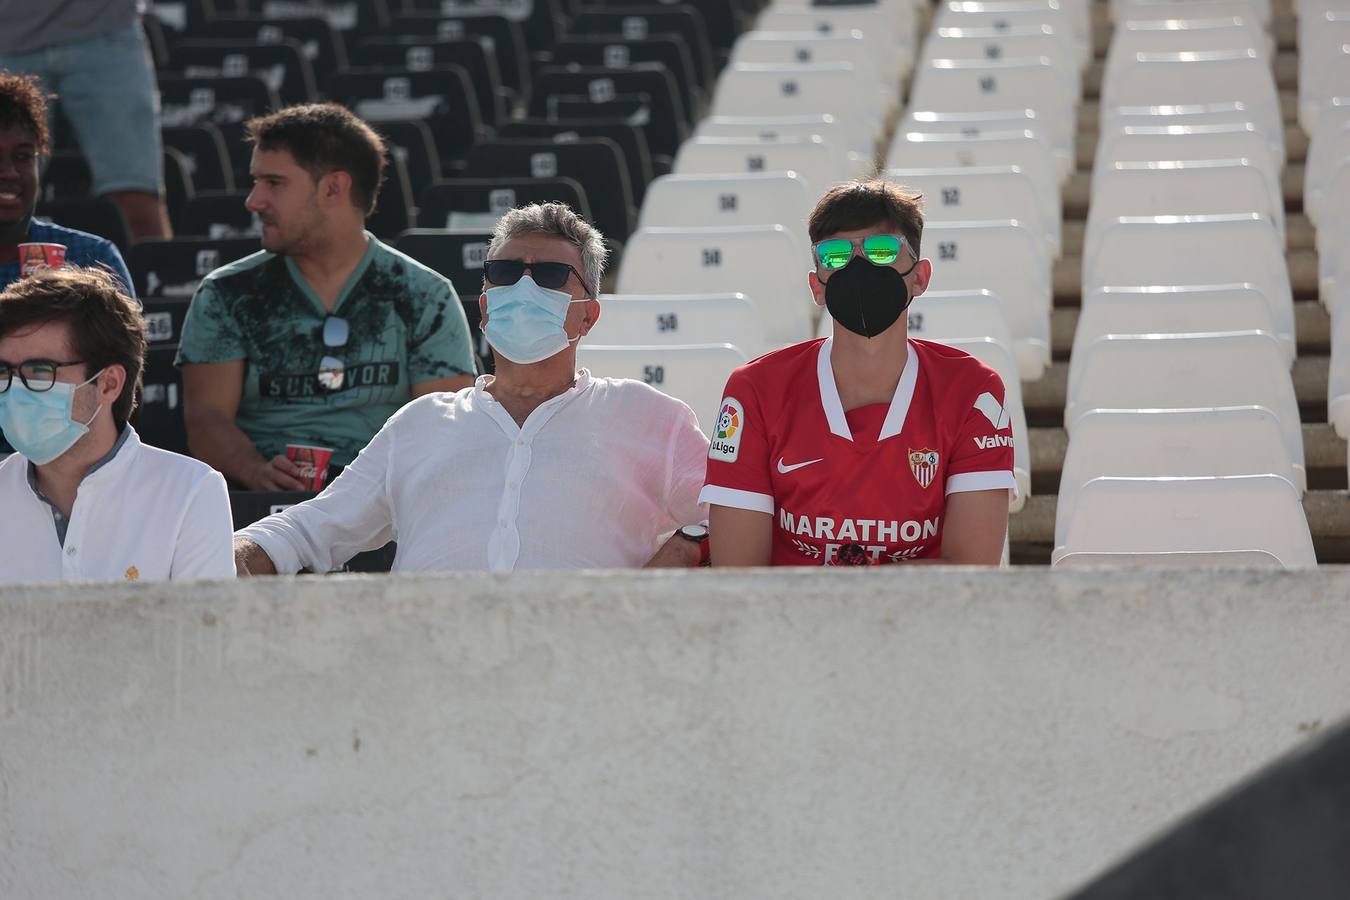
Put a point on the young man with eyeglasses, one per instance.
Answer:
(539, 466)
(868, 447)
(82, 497)
(323, 335)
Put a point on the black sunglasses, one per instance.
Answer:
(551, 275)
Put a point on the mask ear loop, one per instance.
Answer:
(98, 409)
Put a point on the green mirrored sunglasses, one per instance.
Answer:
(880, 249)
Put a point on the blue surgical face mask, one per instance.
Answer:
(525, 321)
(39, 425)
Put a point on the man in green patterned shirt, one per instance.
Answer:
(324, 334)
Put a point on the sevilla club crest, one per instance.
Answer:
(924, 465)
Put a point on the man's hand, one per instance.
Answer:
(250, 559)
(675, 553)
(278, 474)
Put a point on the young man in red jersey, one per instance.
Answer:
(866, 448)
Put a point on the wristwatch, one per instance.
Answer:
(697, 534)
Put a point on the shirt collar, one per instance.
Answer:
(541, 414)
(100, 463)
(372, 243)
(834, 407)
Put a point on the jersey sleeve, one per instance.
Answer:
(982, 459)
(738, 459)
(211, 334)
(440, 345)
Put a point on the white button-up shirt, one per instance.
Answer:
(594, 479)
(145, 514)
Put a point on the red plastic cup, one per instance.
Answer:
(313, 463)
(36, 257)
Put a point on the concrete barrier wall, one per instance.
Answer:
(910, 733)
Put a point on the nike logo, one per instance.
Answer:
(783, 470)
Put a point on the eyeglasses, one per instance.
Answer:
(551, 275)
(880, 250)
(37, 375)
(332, 371)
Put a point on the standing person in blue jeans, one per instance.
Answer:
(94, 56)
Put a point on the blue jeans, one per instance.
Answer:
(106, 87)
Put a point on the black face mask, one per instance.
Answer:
(866, 298)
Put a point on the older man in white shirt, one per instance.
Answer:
(83, 498)
(540, 467)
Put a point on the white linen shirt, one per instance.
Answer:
(594, 479)
(145, 515)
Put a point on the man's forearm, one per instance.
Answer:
(221, 444)
(251, 559)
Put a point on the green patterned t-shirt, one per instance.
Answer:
(405, 326)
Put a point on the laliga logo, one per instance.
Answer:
(726, 442)
(728, 421)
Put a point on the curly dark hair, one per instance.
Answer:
(23, 104)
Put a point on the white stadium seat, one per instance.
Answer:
(1179, 250)
(985, 193)
(1333, 232)
(853, 160)
(1183, 187)
(1209, 515)
(1338, 381)
(807, 48)
(1173, 309)
(811, 158)
(1172, 559)
(1144, 143)
(1151, 443)
(1008, 43)
(892, 49)
(649, 319)
(1228, 113)
(1323, 63)
(996, 356)
(694, 373)
(841, 89)
(978, 124)
(1071, 18)
(917, 150)
(684, 201)
(1329, 147)
(1183, 35)
(1187, 371)
(1185, 79)
(766, 263)
(1009, 259)
(1161, 10)
(943, 316)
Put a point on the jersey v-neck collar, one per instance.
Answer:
(361, 266)
(834, 407)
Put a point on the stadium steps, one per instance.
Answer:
(1327, 503)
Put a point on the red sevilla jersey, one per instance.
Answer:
(876, 476)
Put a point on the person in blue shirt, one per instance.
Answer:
(23, 141)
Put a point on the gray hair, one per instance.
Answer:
(555, 220)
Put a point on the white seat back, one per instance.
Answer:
(809, 48)
(1009, 259)
(1333, 233)
(1138, 443)
(1006, 43)
(1323, 63)
(1187, 371)
(1072, 18)
(1338, 382)
(980, 193)
(1187, 35)
(1163, 10)
(811, 158)
(978, 124)
(1145, 143)
(1178, 250)
(1329, 147)
(1173, 309)
(996, 356)
(658, 319)
(1226, 113)
(918, 150)
(1183, 188)
(695, 373)
(1168, 515)
(1174, 559)
(746, 89)
(848, 158)
(765, 263)
(773, 198)
(950, 315)
(891, 48)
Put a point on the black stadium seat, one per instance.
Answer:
(411, 141)
(96, 215)
(459, 256)
(179, 15)
(281, 64)
(442, 97)
(225, 102)
(169, 269)
(721, 18)
(321, 44)
(541, 24)
(669, 124)
(394, 210)
(219, 214)
(178, 186)
(638, 22)
(630, 139)
(596, 163)
(508, 40)
(617, 52)
(204, 150)
(160, 423)
(361, 16)
(478, 202)
(471, 53)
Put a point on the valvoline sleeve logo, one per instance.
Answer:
(726, 442)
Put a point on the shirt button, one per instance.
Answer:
(70, 551)
(502, 523)
(520, 442)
